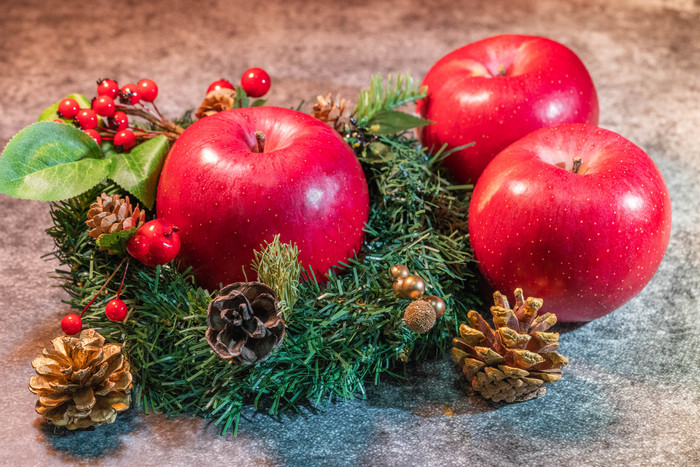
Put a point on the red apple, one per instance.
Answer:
(585, 242)
(495, 91)
(230, 192)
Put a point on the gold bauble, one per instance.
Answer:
(397, 287)
(400, 271)
(437, 303)
(412, 287)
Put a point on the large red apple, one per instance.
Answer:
(495, 91)
(585, 242)
(229, 192)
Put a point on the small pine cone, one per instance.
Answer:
(82, 382)
(216, 101)
(111, 213)
(244, 325)
(336, 114)
(515, 361)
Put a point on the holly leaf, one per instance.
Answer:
(258, 102)
(51, 112)
(50, 161)
(137, 171)
(390, 122)
(116, 241)
(241, 99)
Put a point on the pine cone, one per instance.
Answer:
(515, 361)
(244, 323)
(111, 213)
(336, 114)
(82, 382)
(216, 101)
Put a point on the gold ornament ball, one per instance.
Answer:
(419, 316)
(397, 286)
(438, 305)
(399, 271)
(412, 287)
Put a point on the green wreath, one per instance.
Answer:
(339, 335)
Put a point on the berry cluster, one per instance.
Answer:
(113, 103)
(255, 82)
(116, 309)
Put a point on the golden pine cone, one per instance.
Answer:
(515, 361)
(82, 382)
(216, 101)
(111, 213)
(336, 114)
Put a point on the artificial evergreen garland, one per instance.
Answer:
(339, 335)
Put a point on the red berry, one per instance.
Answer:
(129, 94)
(94, 135)
(164, 242)
(71, 324)
(107, 87)
(86, 119)
(125, 140)
(103, 106)
(68, 108)
(116, 310)
(138, 246)
(119, 121)
(148, 90)
(255, 82)
(220, 84)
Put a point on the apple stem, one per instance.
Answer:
(501, 70)
(260, 137)
(577, 165)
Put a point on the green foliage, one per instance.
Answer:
(391, 122)
(116, 241)
(51, 112)
(137, 171)
(48, 161)
(277, 265)
(397, 91)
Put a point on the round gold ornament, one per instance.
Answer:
(399, 272)
(437, 303)
(397, 286)
(412, 287)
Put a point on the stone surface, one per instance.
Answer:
(631, 394)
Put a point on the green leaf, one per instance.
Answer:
(50, 161)
(51, 112)
(241, 99)
(390, 122)
(116, 241)
(258, 102)
(137, 171)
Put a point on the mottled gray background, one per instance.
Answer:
(631, 393)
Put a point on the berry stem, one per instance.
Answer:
(121, 284)
(172, 131)
(155, 107)
(103, 287)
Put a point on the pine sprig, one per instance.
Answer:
(341, 334)
(397, 91)
(278, 266)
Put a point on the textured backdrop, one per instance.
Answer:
(631, 394)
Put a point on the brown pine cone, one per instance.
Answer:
(111, 213)
(82, 382)
(336, 114)
(515, 361)
(244, 325)
(216, 101)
